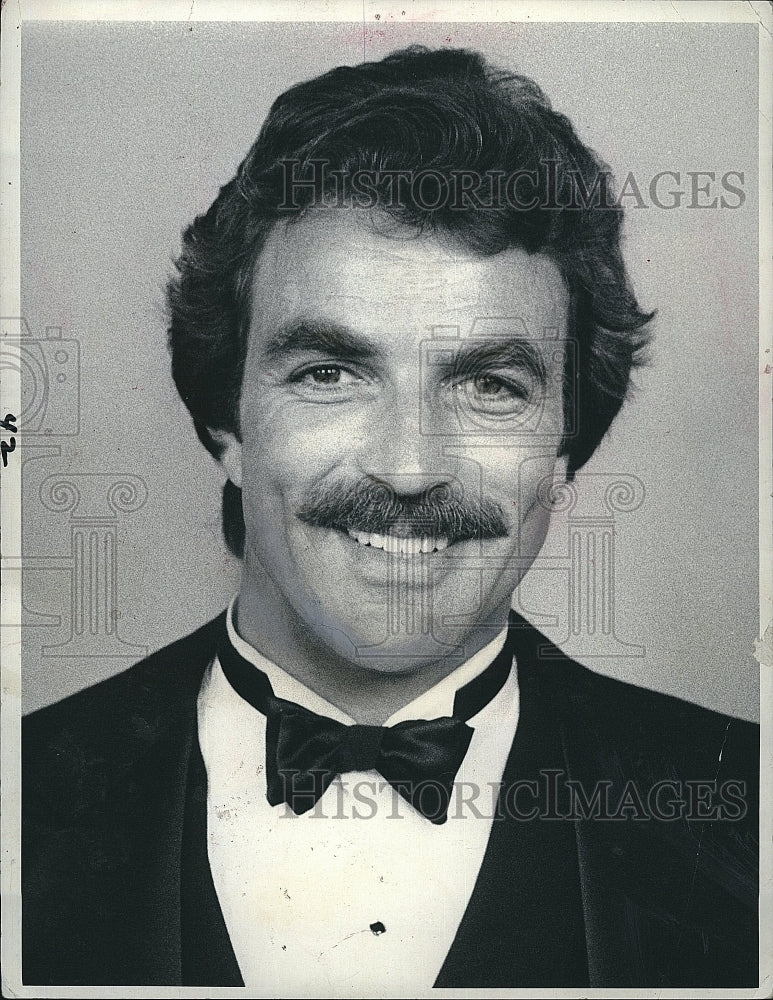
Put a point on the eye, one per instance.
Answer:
(325, 375)
(325, 380)
(493, 394)
(487, 385)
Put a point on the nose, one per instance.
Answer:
(405, 447)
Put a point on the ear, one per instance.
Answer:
(230, 457)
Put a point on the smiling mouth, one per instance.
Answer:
(398, 544)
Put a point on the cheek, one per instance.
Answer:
(295, 444)
(534, 529)
(522, 486)
(286, 451)
(278, 440)
(521, 477)
(535, 504)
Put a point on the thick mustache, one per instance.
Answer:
(375, 508)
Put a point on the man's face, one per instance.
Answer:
(401, 407)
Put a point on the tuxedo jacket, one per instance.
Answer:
(652, 883)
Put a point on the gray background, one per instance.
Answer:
(128, 130)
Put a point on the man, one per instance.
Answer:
(400, 328)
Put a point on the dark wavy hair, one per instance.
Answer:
(417, 110)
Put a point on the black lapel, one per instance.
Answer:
(523, 926)
(666, 903)
(104, 781)
(208, 957)
(613, 902)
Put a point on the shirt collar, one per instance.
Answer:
(435, 703)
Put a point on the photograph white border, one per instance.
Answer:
(14, 16)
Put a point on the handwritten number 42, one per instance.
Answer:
(9, 424)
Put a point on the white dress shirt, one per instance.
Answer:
(299, 893)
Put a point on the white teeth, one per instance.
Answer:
(398, 545)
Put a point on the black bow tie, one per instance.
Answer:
(305, 751)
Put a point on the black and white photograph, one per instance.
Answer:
(386, 498)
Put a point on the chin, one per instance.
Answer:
(399, 648)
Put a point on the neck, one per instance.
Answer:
(369, 689)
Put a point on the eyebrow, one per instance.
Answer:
(340, 341)
(320, 337)
(474, 356)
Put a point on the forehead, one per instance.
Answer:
(385, 280)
